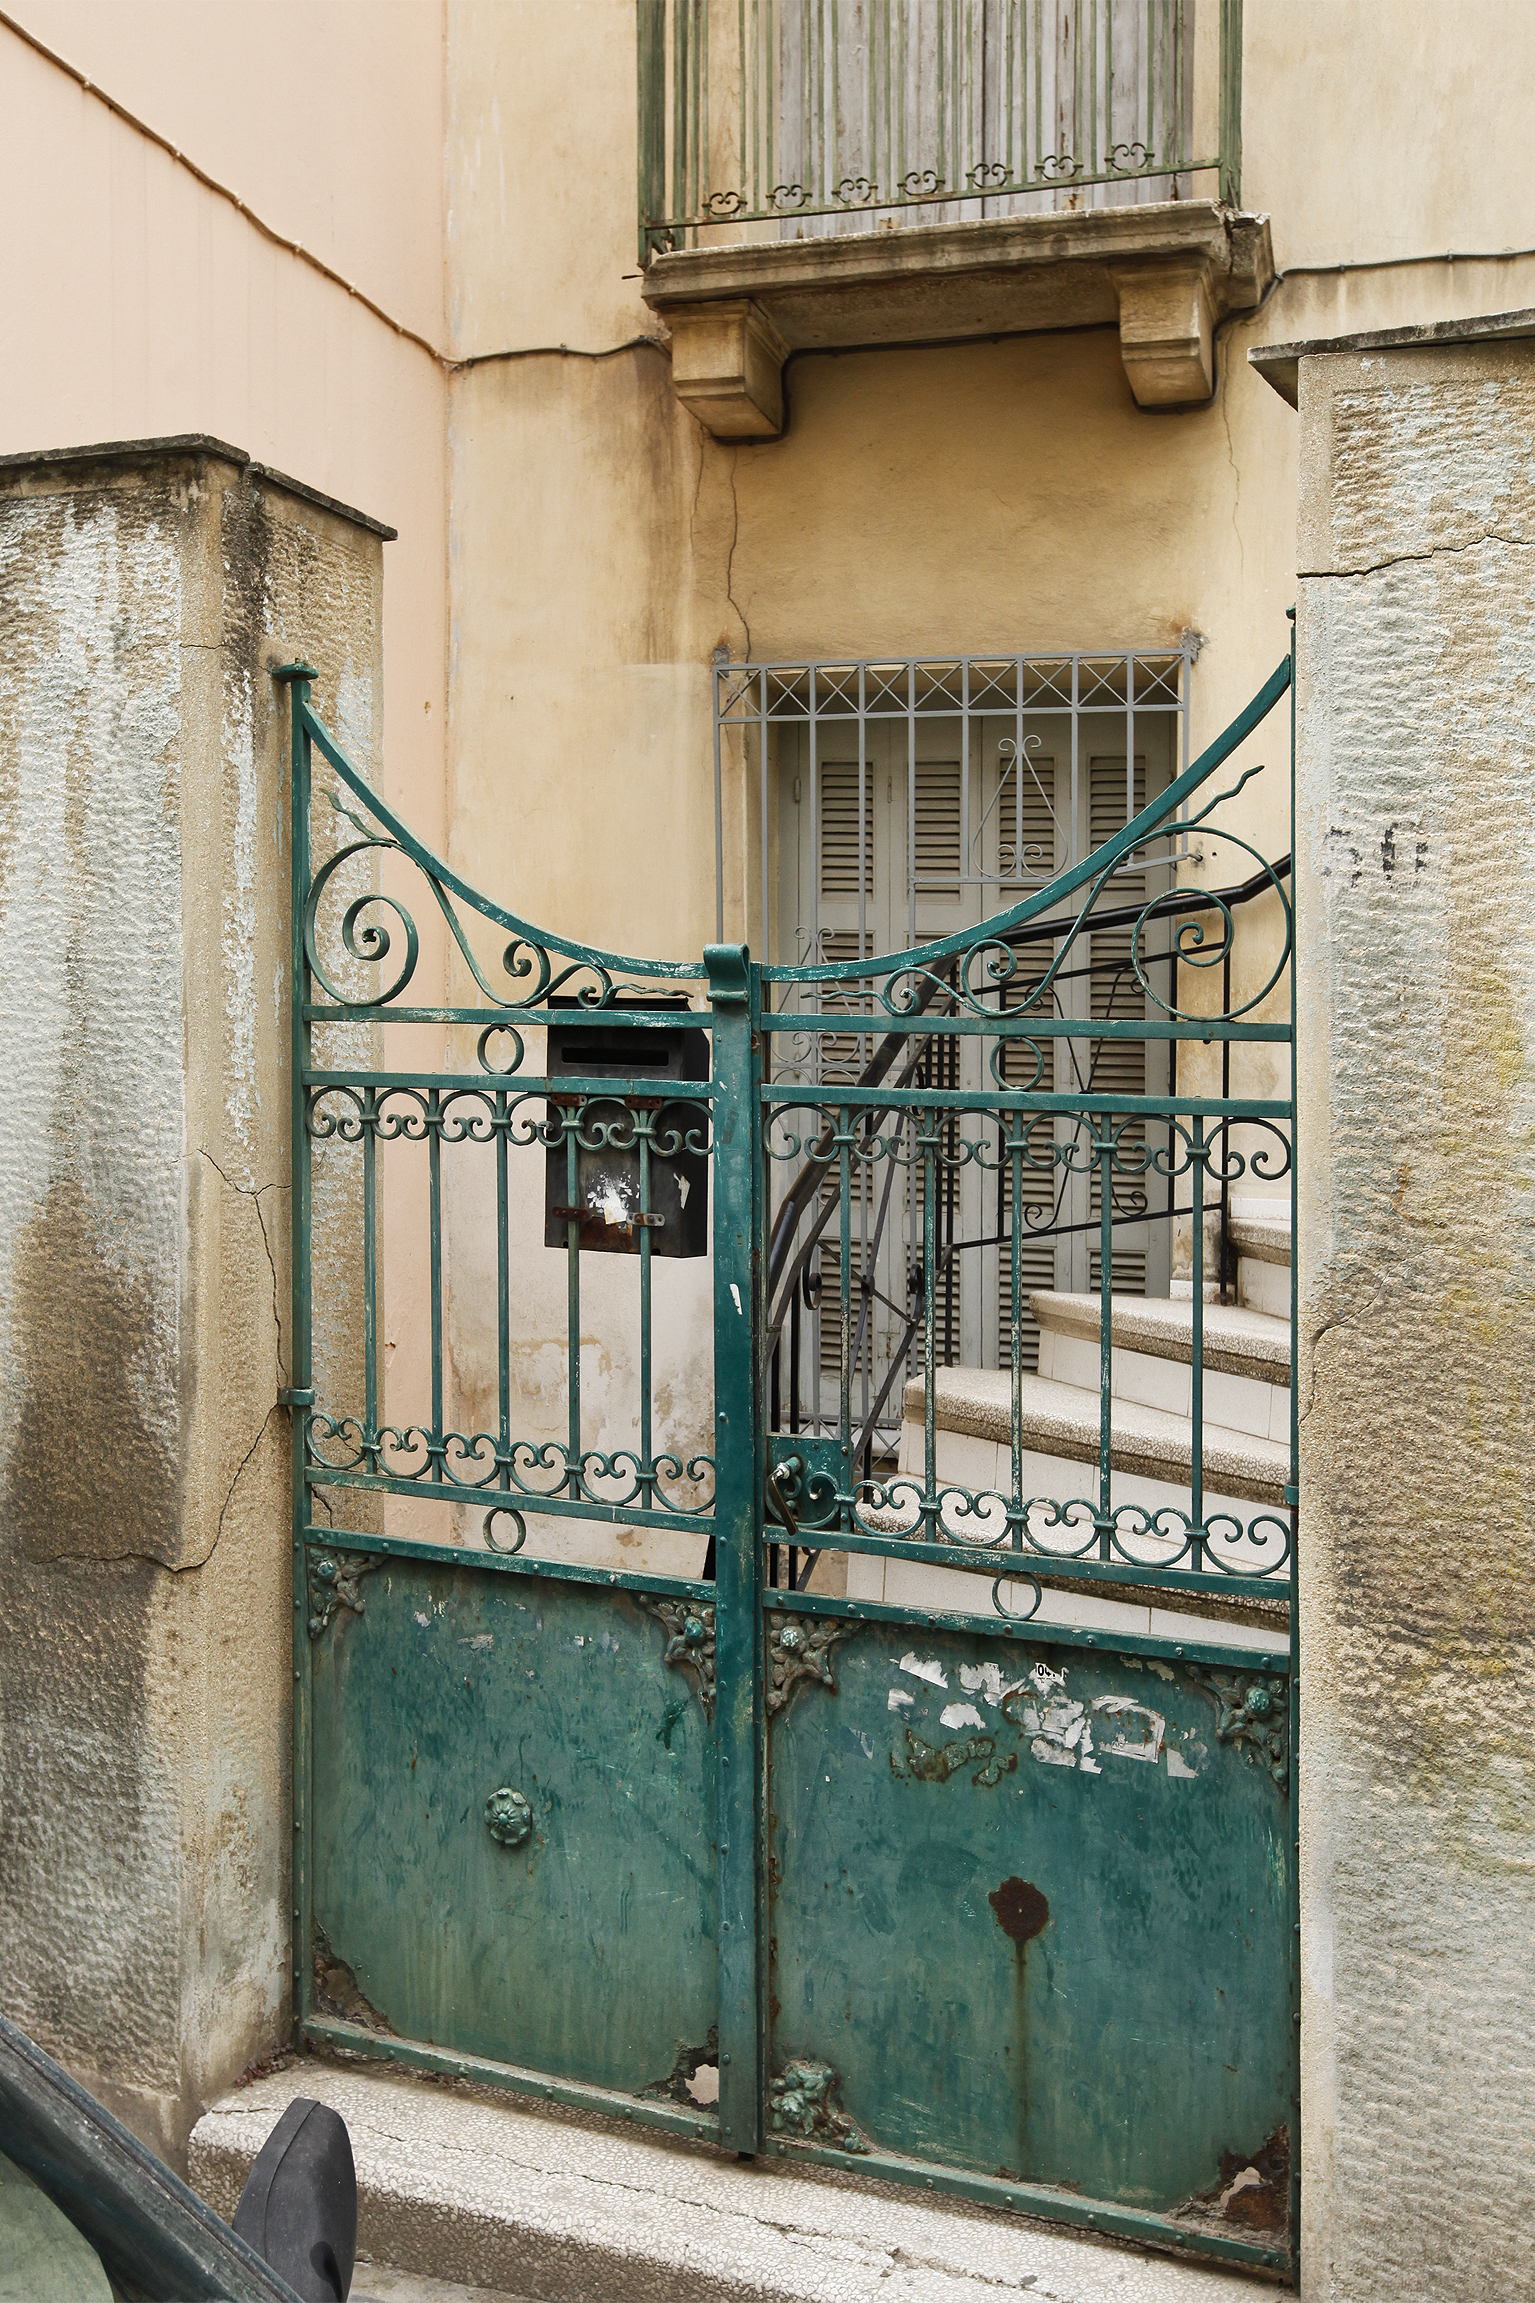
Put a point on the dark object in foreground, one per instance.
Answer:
(299, 2206)
(157, 2241)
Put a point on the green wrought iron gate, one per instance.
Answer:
(605, 1789)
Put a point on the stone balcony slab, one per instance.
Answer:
(1167, 274)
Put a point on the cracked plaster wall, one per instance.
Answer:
(1416, 931)
(144, 1465)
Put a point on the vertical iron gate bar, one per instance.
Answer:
(720, 675)
(1105, 1334)
(929, 1325)
(300, 1396)
(1294, 1503)
(503, 1296)
(1197, 1339)
(573, 1298)
(370, 1276)
(434, 1170)
(738, 1479)
(644, 1121)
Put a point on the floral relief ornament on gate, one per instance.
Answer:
(334, 1580)
(800, 1648)
(1252, 1709)
(689, 1641)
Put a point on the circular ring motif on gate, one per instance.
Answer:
(508, 1817)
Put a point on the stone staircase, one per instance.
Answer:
(1245, 1449)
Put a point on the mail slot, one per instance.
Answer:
(606, 1200)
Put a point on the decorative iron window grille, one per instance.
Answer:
(875, 805)
(840, 115)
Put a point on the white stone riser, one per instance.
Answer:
(985, 1467)
(1264, 1286)
(1233, 1403)
(913, 1583)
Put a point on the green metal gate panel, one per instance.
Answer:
(987, 1904)
(1040, 1948)
(509, 1784)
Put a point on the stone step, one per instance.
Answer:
(1263, 1263)
(1061, 1422)
(465, 2185)
(1246, 1356)
(1264, 1238)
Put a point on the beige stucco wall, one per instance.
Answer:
(145, 1578)
(999, 495)
(1417, 1095)
(141, 302)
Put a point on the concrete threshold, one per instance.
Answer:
(460, 2185)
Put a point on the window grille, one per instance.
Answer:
(883, 802)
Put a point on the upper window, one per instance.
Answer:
(814, 116)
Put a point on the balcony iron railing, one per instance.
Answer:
(830, 116)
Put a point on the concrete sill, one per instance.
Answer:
(1167, 274)
(462, 2185)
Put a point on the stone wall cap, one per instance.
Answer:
(1279, 364)
(131, 455)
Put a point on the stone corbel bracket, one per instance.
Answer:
(727, 368)
(1167, 315)
(1167, 273)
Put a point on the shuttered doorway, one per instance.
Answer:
(911, 828)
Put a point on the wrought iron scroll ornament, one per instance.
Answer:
(334, 1580)
(533, 969)
(689, 1641)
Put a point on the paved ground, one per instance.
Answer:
(456, 2184)
(377, 2283)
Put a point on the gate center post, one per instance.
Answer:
(739, 1472)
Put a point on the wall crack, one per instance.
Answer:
(253, 1192)
(1407, 559)
(234, 1483)
(730, 562)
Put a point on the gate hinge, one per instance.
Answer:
(287, 1398)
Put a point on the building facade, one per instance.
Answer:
(837, 483)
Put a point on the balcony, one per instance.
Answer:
(831, 173)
